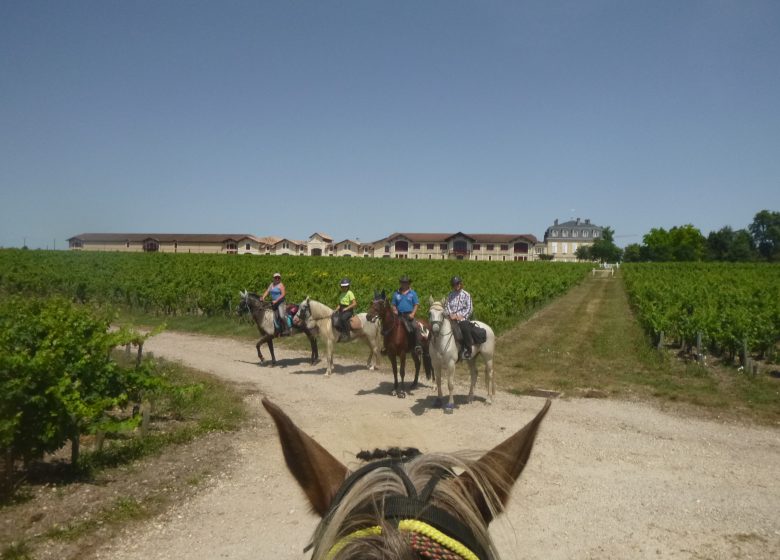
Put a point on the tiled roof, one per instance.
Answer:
(324, 236)
(478, 237)
(165, 237)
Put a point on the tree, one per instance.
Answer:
(632, 253)
(729, 245)
(765, 229)
(604, 248)
(583, 253)
(657, 246)
(687, 243)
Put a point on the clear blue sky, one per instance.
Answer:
(359, 118)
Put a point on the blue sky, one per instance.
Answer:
(359, 118)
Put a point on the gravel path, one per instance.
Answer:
(607, 479)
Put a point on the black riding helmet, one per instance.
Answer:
(345, 281)
(455, 281)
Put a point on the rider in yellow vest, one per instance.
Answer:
(345, 310)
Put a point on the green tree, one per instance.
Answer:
(632, 253)
(604, 248)
(687, 243)
(657, 246)
(729, 245)
(583, 253)
(765, 229)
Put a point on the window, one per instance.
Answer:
(521, 248)
(505, 247)
(585, 233)
(416, 246)
(565, 248)
(477, 247)
(573, 247)
(429, 246)
(555, 233)
(554, 247)
(387, 248)
(491, 247)
(575, 233)
(401, 246)
(231, 246)
(596, 233)
(460, 246)
(79, 244)
(151, 246)
(564, 233)
(247, 247)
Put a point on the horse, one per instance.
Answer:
(263, 314)
(316, 315)
(444, 355)
(409, 506)
(396, 340)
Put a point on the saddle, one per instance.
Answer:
(292, 309)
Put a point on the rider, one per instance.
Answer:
(344, 311)
(459, 309)
(405, 303)
(278, 292)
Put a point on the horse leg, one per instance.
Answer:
(401, 392)
(450, 406)
(474, 375)
(395, 374)
(416, 360)
(328, 356)
(271, 349)
(490, 380)
(259, 353)
(313, 344)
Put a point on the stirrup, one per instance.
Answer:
(418, 349)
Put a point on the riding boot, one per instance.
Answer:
(468, 341)
(418, 349)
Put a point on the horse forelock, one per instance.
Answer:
(368, 495)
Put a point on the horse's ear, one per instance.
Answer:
(430, 300)
(501, 466)
(319, 473)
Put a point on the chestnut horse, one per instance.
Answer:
(263, 315)
(397, 343)
(410, 506)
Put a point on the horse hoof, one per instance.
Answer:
(401, 395)
(413, 386)
(393, 393)
(449, 408)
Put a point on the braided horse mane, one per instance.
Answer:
(367, 514)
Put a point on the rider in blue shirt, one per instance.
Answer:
(278, 293)
(405, 303)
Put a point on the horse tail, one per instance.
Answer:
(427, 365)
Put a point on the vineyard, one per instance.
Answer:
(729, 305)
(171, 284)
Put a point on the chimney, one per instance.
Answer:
(556, 221)
(587, 221)
(578, 221)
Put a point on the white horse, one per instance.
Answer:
(317, 316)
(444, 355)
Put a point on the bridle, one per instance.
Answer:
(435, 332)
(412, 513)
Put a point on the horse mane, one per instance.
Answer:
(320, 309)
(368, 493)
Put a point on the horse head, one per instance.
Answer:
(303, 314)
(409, 505)
(377, 306)
(435, 315)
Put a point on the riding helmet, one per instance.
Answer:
(345, 281)
(455, 281)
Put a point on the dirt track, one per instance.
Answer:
(607, 479)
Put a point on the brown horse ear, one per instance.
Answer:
(319, 473)
(502, 465)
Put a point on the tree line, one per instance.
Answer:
(760, 241)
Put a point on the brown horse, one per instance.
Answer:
(263, 314)
(410, 506)
(397, 343)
